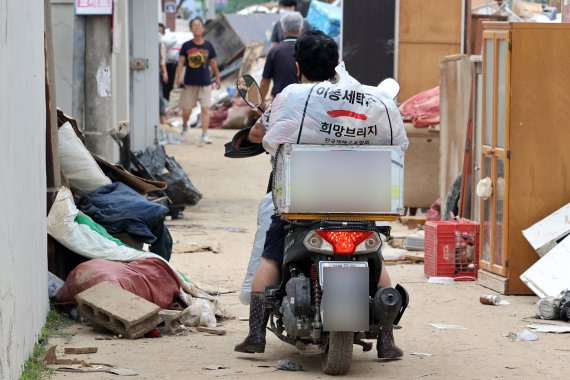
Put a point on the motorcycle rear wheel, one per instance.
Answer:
(338, 356)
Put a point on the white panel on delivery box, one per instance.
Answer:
(342, 179)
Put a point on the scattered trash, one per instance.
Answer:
(549, 329)
(214, 367)
(154, 333)
(415, 241)
(80, 350)
(288, 365)
(199, 313)
(169, 322)
(447, 326)
(54, 284)
(441, 280)
(190, 247)
(523, 336)
(212, 331)
(488, 299)
(75, 365)
(548, 308)
(97, 368)
(153, 160)
(421, 354)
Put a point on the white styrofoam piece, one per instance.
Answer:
(544, 234)
(551, 274)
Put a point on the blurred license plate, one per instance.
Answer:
(345, 301)
(339, 264)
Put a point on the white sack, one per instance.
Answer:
(345, 112)
(484, 188)
(77, 164)
(264, 212)
(199, 313)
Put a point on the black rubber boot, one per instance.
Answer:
(386, 306)
(258, 317)
(386, 346)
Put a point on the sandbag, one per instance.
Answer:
(264, 212)
(422, 109)
(150, 279)
(345, 112)
(77, 164)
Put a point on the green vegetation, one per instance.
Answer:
(35, 368)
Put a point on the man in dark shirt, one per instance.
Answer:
(198, 55)
(280, 64)
(285, 6)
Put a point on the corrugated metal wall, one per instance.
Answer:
(23, 259)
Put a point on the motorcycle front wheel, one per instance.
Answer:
(338, 355)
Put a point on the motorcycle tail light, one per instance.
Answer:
(315, 243)
(349, 242)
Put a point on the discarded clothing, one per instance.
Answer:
(119, 208)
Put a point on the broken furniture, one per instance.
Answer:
(231, 33)
(422, 167)
(524, 148)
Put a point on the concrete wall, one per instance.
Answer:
(23, 247)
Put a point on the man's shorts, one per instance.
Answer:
(274, 247)
(193, 94)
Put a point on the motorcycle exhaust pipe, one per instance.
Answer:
(386, 305)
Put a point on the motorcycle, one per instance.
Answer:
(329, 294)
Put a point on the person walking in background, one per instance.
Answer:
(163, 74)
(280, 65)
(285, 6)
(197, 56)
(169, 41)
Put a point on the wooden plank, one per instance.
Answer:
(418, 66)
(417, 21)
(213, 331)
(492, 281)
(80, 350)
(539, 135)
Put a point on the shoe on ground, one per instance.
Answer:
(205, 140)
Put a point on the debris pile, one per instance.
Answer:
(105, 221)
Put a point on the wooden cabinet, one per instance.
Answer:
(525, 142)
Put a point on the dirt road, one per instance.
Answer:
(226, 214)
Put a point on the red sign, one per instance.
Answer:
(93, 7)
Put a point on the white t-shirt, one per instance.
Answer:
(339, 113)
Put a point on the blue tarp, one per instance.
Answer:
(325, 17)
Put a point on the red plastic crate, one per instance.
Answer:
(452, 250)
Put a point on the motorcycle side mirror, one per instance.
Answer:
(249, 90)
(390, 87)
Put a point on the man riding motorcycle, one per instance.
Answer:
(317, 57)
